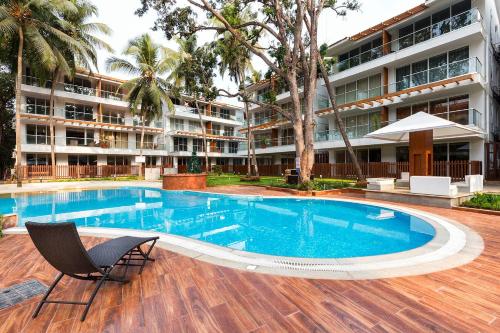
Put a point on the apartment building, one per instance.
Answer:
(94, 127)
(441, 57)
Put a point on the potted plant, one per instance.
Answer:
(194, 179)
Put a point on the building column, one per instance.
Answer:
(421, 153)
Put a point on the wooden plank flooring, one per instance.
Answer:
(180, 294)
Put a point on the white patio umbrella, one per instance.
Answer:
(421, 121)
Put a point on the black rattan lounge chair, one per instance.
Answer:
(61, 246)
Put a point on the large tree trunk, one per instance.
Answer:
(142, 144)
(338, 119)
(51, 122)
(19, 79)
(254, 156)
(204, 133)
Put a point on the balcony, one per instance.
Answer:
(193, 111)
(448, 76)
(150, 146)
(74, 89)
(435, 30)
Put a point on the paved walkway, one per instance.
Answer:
(54, 186)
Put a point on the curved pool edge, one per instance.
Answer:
(453, 245)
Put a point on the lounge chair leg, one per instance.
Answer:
(146, 255)
(42, 302)
(94, 293)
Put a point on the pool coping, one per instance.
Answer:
(453, 245)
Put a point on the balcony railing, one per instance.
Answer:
(435, 74)
(73, 88)
(466, 117)
(353, 132)
(112, 119)
(448, 71)
(37, 139)
(435, 30)
(195, 111)
(150, 146)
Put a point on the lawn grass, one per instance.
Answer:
(488, 201)
(320, 184)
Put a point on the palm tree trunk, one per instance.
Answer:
(338, 119)
(51, 122)
(19, 78)
(142, 143)
(249, 163)
(204, 132)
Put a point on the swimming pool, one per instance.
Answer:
(289, 227)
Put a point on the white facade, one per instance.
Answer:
(94, 126)
(436, 58)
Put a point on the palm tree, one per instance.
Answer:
(83, 55)
(34, 24)
(236, 59)
(181, 78)
(147, 91)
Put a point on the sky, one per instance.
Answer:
(119, 15)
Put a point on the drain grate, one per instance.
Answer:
(304, 266)
(20, 292)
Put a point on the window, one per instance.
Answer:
(362, 155)
(225, 114)
(194, 126)
(111, 91)
(216, 130)
(148, 141)
(459, 109)
(440, 152)
(358, 90)
(459, 151)
(37, 106)
(340, 156)
(117, 160)
(287, 137)
(229, 131)
(367, 52)
(322, 157)
(375, 155)
(461, 15)
(150, 161)
(238, 161)
(459, 62)
(79, 137)
(179, 124)
(219, 146)
(82, 159)
(113, 117)
(440, 67)
(402, 154)
(198, 145)
(221, 161)
(403, 112)
(38, 159)
(180, 144)
(79, 86)
(37, 134)
(422, 30)
(406, 37)
(233, 147)
(441, 22)
(114, 140)
(79, 112)
(439, 108)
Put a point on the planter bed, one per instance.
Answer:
(185, 181)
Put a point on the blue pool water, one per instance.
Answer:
(274, 226)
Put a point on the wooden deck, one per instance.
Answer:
(179, 294)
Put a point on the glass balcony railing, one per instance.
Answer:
(150, 146)
(353, 132)
(77, 141)
(447, 71)
(37, 109)
(75, 89)
(79, 115)
(435, 30)
(220, 115)
(38, 139)
(113, 119)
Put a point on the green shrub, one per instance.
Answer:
(194, 164)
(484, 201)
(217, 169)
